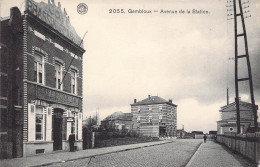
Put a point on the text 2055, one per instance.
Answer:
(116, 11)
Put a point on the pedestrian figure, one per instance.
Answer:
(71, 142)
(205, 138)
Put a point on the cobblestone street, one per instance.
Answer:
(171, 154)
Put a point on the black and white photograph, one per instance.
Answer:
(119, 83)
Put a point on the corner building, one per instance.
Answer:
(45, 106)
(155, 117)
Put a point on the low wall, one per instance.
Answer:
(247, 145)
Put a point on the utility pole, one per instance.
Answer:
(239, 13)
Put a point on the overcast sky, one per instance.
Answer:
(183, 57)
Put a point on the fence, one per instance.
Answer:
(246, 144)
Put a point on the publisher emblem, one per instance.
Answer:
(82, 8)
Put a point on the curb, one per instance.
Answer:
(91, 156)
(193, 156)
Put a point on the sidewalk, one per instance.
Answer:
(214, 154)
(46, 159)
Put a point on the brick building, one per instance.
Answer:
(229, 119)
(118, 121)
(38, 110)
(154, 116)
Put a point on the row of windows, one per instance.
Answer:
(39, 73)
(149, 108)
(43, 124)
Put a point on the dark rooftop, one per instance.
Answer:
(153, 100)
(119, 116)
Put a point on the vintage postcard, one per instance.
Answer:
(129, 82)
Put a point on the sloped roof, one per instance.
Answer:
(243, 106)
(119, 116)
(153, 100)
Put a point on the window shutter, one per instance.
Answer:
(80, 126)
(31, 122)
(49, 124)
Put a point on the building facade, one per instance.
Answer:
(154, 116)
(44, 85)
(118, 121)
(228, 122)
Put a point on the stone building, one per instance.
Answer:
(154, 116)
(41, 102)
(229, 119)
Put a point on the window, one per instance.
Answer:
(150, 117)
(74, 125)
(160, 118)
(138, 119)
(139, 109)
(38, 68)
(58, 75)
(40, 119)
(231, 129)
(73, 74)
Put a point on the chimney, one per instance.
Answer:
(149, 97)
(170, 100)
(227, 97)
(134, 100)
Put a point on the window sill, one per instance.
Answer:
(37, 142)
(80, 140)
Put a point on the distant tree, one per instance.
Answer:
(90, 123)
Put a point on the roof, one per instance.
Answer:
(4, 18)
(119, 116)
(61, 19)
(243, 106)
(153, 100)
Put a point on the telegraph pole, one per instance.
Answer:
(239, 13)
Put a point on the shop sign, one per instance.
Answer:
(53, 16)
(70, 119)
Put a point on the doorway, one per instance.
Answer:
(57, 129)
(162, 131)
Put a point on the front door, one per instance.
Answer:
(162, 131)
(57, 129)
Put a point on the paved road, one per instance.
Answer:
(172, 154)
